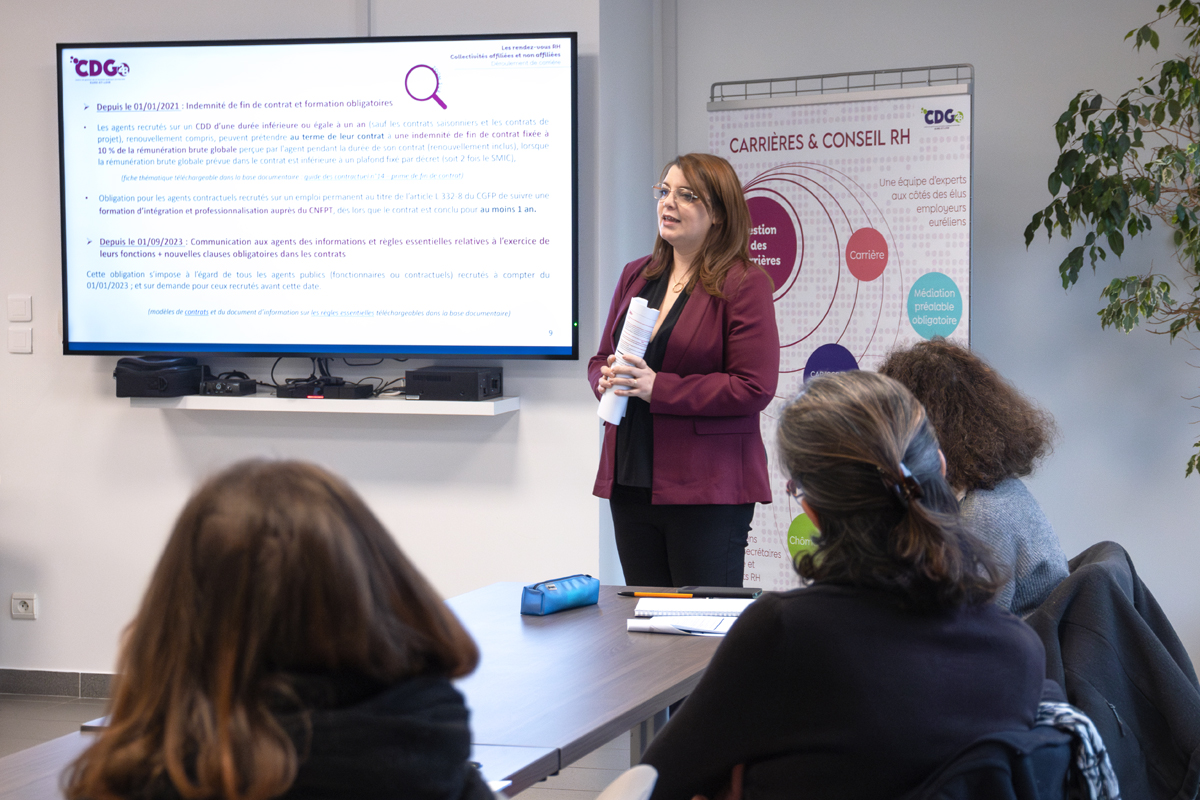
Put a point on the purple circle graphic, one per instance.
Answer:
(772, 239)
(829, 358)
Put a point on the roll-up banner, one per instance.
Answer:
(861, 212)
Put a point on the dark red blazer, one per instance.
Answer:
(720, 370)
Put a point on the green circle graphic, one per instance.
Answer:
(800, 537)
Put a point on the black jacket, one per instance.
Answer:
(1013, 765)
(359, 739)
(1109, 645)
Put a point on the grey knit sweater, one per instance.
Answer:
(1011, 523)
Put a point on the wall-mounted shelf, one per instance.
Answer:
(379, 405)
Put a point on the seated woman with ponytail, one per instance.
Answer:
(892, 660)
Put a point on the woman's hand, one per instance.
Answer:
(606, 375)
(633, 381)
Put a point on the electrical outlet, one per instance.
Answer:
(24, 605)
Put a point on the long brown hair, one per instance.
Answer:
(989, 431)
(273, 568)
(727, 242)
(847, 441)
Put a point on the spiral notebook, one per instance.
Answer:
(690, 607)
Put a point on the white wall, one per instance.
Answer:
(1120, 401)
(89, 487)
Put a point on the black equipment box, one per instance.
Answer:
(453, 383)
(236, 387)
(159, 376)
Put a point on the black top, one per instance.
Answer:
(635, 435)
(838, 693)
(368, 741)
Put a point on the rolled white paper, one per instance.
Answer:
(652, 625)
(690, 626)
(635, 337)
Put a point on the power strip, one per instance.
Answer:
(312, 389)
(317, 390)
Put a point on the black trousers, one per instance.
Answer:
(679, 545)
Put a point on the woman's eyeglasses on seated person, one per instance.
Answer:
(684, 196)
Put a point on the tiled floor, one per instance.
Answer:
(584, 779)
(26, 720)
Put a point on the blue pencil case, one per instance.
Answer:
(549, 597)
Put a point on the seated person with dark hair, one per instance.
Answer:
(992, 436)
(285, 648)
(893, 660)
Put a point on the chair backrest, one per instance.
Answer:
(636, 783)
(1013, 765)
(1114, 652)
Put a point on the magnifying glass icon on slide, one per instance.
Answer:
(422, 83)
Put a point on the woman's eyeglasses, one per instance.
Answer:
(683, 196)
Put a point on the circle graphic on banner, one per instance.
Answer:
(772, 238)
(866, 254)
(800, 537)
(935, 305)
(829, 358)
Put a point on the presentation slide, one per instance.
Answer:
(366, 196)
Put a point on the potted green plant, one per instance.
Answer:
(1124, 164)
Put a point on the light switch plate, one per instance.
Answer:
(20, 340)
(20, 308)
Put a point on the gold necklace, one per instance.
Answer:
(678, 285)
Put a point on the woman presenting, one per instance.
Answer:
(686, 464)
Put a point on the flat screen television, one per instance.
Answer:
(399, 197)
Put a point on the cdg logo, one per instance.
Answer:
(938, 116)
(85, 68)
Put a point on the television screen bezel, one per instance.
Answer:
(357, 351)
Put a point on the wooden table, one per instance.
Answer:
(33, 774)
(548, 691)
(573, 680)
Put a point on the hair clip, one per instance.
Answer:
(906, 489)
